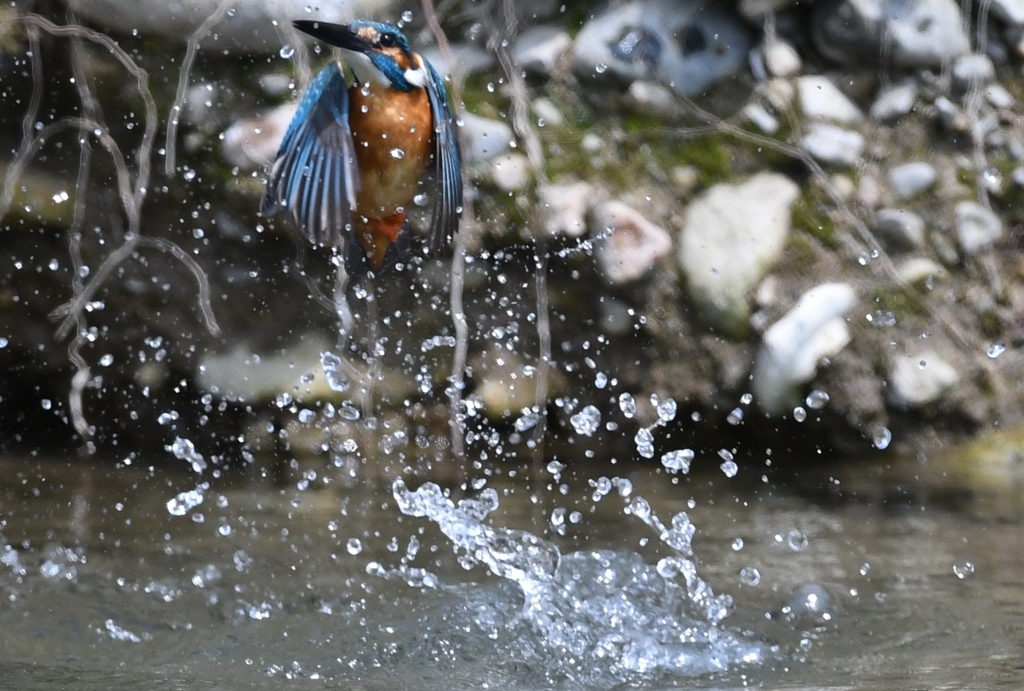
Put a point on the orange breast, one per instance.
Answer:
(392, 131)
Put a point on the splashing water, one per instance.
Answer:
(597, 617)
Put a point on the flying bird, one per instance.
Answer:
(356, 151)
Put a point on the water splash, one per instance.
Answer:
(597, 617)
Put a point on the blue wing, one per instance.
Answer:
(447, 164)
(315, 175)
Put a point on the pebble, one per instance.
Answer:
(732, 235)
(685, 44)
(901, 227)
(652, 98)
(833, 145)
(821, 99)
(627, 245)
(1010, 11)
(910, 179)
(973, 70)
(253, 142)
(918, 33)
(951, 116)
(976, 227)
(779, 93)
(547, 113)
(920, 270)
(998, 97)
(761, 118)
(538, 49)
(794, 345)
(894, 101)
(485, 138)
(920, 379)
(564, 208)
(781, 59)
(511, 171)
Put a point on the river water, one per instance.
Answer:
(876, 583)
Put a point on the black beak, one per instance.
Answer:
(334, 34)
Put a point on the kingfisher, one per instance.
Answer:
(355, 153)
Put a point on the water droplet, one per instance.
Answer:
(107, 360)
(3, 342)
(306, 416)
(799, 414)
(184, 502)
(677, 461)
(737, 544)
(750, 576)
(796, 540)
(601, 380)
(54, 265)
(963, 569)
(587, 421)
(644, 441)
(600, 68)
(336, 379)
(287, 51)
(398, 153)
(189, 175)
(747, 399)
(881, 437)
(666, 411)
(735, 417)
(627, 405)
(817, 399)
(729, 468)
(996, 349)
(407, 16)
(46, 403)
(527, 422)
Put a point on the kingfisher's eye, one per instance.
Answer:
(388, 40)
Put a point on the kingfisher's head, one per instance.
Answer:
(378, 53)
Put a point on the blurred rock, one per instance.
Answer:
(794, 345)
(833, 145)
(919, 379)
(732, 235)
(537, 49)
(916, 33)
(919, 271)
(976, 227)
(900, 227)
(894, 101)
(686, 44)
(820, 99)
(564, 208)
(248, 27)
(627, 245)
(999, 97)
(973, 70)
(511, 171)
(485, 138)
(910, 179)
(253, 142)
(761, 118)
(781, 59)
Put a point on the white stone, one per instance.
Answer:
(917, 270)
(485, 138)
(920, 379)
(547, 113)
(732, 235)
(1010, 11)
(902, 227)
(973, 70)
(894, 101)
(511, 171)
(976, 227)
(652, 98)
(627, 244)
(792, 347)
(997, 95)
(820, 98)
(564, 208)
(537, 49)
(762, 119)
(253, 142)
(833, 145)
(910, 179)
(781, 59)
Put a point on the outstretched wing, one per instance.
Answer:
(447, 164)
(315, 175)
